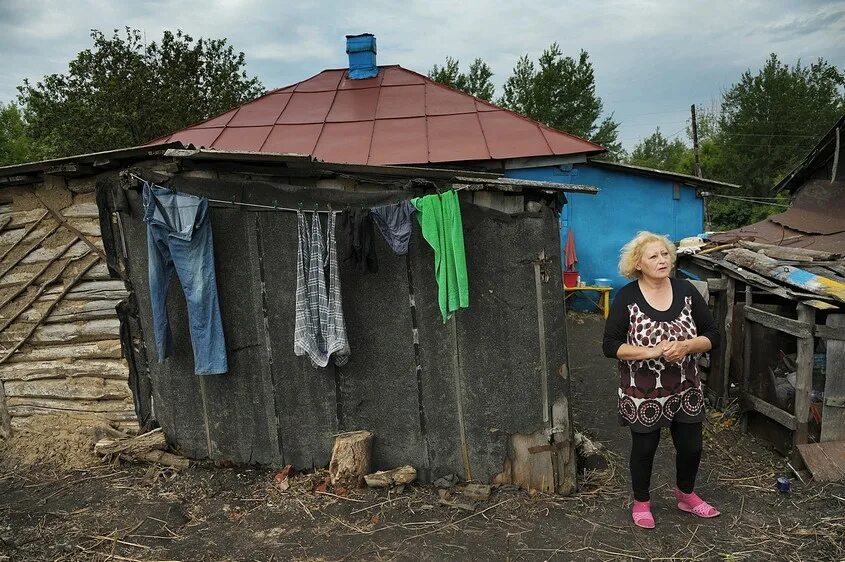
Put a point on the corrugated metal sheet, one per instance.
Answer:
(815, 220)
(818, 208)
(398, 117)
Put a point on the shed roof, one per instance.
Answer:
(398, 117)
(683, 178)
(824, 151)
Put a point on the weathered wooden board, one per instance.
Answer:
(92, 290)
(833, 412)
(241, 418)
(305, 398)
(501, 253)
(103, 349)
(439, 376)
(378, 323)
(176, 390)
(64, 368)
(83, 388)
(826, 461)
(792, 276)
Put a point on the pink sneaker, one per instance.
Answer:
(691, 503)
(641, 514)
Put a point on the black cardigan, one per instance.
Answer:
(616, 327)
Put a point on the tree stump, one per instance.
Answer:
(351, 459)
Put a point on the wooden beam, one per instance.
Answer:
(68, 285)
(787, 274)
(804, 379)
(779, 323)
(727, 337)
(5, 418)
(788, 253)
(833, 411)
(717, 284)
(835, 332)
(771, 411)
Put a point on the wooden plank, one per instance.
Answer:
(779, 323)
(26, 232)
(715, 284)
(788, 253)
(836, 333)
(85, 267)
(64, 368)
(787, 274)
(833, 412)
(804, 380)
(826, 461)
(103, 349)
(83, 388)
(772, 412)
(5, 418)
(820, 305)
(727, 333)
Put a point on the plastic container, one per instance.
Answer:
(570, 278)
(603, 282)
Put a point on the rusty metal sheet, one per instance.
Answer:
(818, 208)
(457, 126)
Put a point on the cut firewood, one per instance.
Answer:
(351, 459)
(153, 440)
(395, 477)
(159, 457)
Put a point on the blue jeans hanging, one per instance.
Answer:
(179, 239)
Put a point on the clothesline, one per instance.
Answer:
(267, 207)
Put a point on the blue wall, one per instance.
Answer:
(626, 204)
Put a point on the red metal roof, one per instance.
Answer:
(398, 117)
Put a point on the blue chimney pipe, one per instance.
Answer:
(362, 56)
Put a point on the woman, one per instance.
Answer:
(657, 328)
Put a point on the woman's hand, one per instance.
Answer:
(675, 351)
(658, 350)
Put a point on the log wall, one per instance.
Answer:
(60, 350)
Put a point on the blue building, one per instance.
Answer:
(631, 199)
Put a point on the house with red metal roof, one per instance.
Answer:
(382, 115)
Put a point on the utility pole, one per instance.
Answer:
(695, 142)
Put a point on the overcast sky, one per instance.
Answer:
(652, 58)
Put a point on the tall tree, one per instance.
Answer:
(16, 145)
(770, 120)
(123, 92)
(476, 82)
(561, 93)
(658, 152)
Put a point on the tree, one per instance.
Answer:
(561, 92)
(122, 92)
(769, 121)
(656, 151)
(476, 82)
(16, 146)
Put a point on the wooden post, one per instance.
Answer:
(697, 163)
(804, 379)
(351, 458)
(5, 418)
(833, 411)
(730, 298)
(746, 355)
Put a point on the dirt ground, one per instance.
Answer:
(139, 512)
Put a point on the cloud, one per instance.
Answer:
(652, 58)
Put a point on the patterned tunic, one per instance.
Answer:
(654, 392)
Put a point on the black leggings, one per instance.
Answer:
(687, 439)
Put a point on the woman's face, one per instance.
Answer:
(656, 262)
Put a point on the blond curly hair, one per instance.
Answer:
(632, 252)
